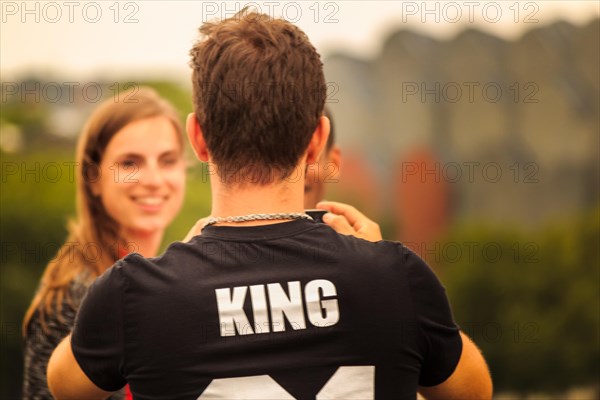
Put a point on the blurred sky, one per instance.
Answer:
(85, 39)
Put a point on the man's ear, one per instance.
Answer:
(196, 138)
(318, 141)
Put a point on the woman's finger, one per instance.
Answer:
(351, 213)
(339, 223)
(350, 221)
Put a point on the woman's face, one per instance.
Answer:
(143, 176)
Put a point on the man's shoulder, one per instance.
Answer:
(136, 268)
(381, 248)
(323, 246)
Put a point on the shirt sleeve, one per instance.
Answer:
(438, 335)
(97, 337)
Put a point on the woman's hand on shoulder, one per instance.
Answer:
(347, 220)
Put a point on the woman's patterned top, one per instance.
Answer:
(39, 345)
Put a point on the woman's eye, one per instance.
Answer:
(127, 163)
(170, 160)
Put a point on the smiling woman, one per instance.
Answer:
(130, 186)
(141, 181)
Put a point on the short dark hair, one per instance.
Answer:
(258, 91)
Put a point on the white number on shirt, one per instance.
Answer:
(348, 383)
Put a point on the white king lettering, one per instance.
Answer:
(319, 298)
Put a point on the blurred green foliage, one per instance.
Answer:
(530, 301)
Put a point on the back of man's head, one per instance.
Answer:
(258, 92)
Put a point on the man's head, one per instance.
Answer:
(258, 93)
(326, 170)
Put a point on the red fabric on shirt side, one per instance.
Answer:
(128, 396)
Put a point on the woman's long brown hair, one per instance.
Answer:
(92, 224)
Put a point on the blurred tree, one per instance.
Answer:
(530, 301)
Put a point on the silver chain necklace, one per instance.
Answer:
(257, 217)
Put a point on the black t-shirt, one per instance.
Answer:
(283, 311)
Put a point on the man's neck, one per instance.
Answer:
(282, 197)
